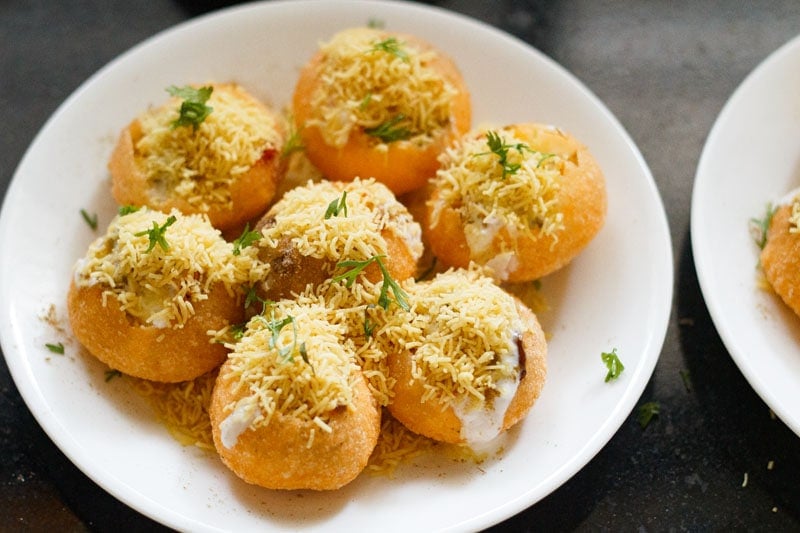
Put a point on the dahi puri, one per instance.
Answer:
(147, 292)
(228, 167)
(469, 359)
(373, 103)
(523, 200)
(290, 408)
(780, 253)
(313, 228)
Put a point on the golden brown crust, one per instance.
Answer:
(779, 258)
(581, 199)
(156, 354)
(404, 166)
(277, 455)
(437, 420)
(250, 193)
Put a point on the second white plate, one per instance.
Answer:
(751, 158)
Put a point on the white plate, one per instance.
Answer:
(617, 294)
(751, 158)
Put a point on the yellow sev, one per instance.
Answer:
(291, 359)
(181, 407)
(794, 218)
(159, 286)
(369, 77)
(472, 180)
(357, 235)
(199, 165)
(460, 332)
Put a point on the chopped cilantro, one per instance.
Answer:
(111, 374)
(356, 267)
(391, 46)
(247, 238)
(156, 234)
(760, 226)
(339, 205)
(614, 365)
(56, 348)
(91, 220)
(391, 130)
(193, 110)
(647, 411)
(127, 210)
(499, 147)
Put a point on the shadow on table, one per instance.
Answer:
(744, 434)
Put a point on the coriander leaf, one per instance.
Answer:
(647, 411)
(237, 330)
(111, 374)
(369, 326)
(390, 46)
(356, 267)
(614, 365)
(390, 130)
(246, 239)
(759, 227)
(375, 23)
(498, 146)
(56, 348)
(193, 109)
(156, 234)
(127, 210)
(294, 142)
(89, 219)
(337, 206)
(687, 380)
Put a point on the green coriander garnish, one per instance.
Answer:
(294, 142)
(156, 234)
(390, 46)
(760, 226)
(237, 330)
(127, 210)
(687, 381)
(391, 130)
(375, 24)
(111, 374)
(614, 365)
(499, 147)
(252, 297)
(56, 348)
(247, 238)
(339, 205)
(275, 326)
(365, 101)
(356, 267)
(369, 326)
(193, 109)
(91, 220)
(647, 411)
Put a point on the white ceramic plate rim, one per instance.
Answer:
(623, 278)
(751, 158)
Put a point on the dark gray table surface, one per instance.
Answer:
(665, 69)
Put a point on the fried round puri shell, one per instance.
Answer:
(157, 354)
(277, 456)
(250, 193)
(581, 198)
(779, 258)
(402, 165)
(291, 272)
(437, 420)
